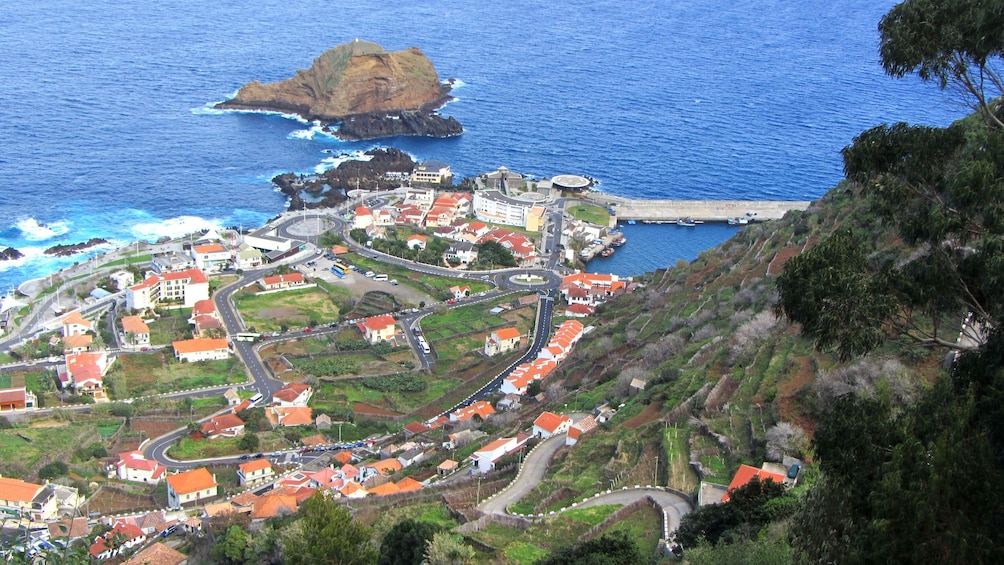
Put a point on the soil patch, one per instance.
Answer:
(788, 393)
(113, 501)
(154, 428)
(651, 413)
(364, 409)
(782, 257)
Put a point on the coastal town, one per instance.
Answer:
(230, 371)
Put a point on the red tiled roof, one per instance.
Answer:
(191, 481)
(745, 474)
(202, 307)
(381, 322)
(507, 333)
(136, 325)
(549, 421)
(295, 278)
(256, 465)
(199, 344)
(210, 248)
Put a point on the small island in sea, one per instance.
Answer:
(366, 91)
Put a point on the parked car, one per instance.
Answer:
(451, 301)
(245, 457)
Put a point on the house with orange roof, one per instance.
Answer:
(67, 530)
(363, 218)
(579, 310)
(480, 408)
(201, 349)
(289, 416)
(408, 484)
(549, 424)
(134, 466)
(186, 487)
(137, 333)
(17, 396)
(20, 498)
(126, 536)
(226, 425)
(83, 373)
(343, 457)
(204, 318)
(244, 502)
(77, 343)
(255, 472)
(74, 323)
(270, 505)
(383, 467)
(211, 257)
(158, 554)
(416, 241)
(590, 289)
(415, 428)
(383, 218)
(501, 341)
(459, 292)
(293, 394)
(440, 216)
(410, 214)
(288, 281)
(326, 478)
(745, 474)
(349, 472)
(384, 489)
(353, 490)
(185, 287)
(446, 467)
(315, 440)
(485, 458)
(576, 430)
(378, 328)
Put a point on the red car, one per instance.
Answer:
(307, 330)
(451, 301)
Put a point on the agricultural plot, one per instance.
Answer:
(172, 325)
(23, 450)
(372, 303)
(343, 394)
(289, 309)
(139, 375)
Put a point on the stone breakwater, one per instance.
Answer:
(628, 209)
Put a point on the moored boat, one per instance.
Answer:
(619, 241)
(607, 252)
(686, 222)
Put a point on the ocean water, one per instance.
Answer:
(106, 131)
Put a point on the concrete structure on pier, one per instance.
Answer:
(702, 210)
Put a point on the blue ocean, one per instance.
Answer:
(106, 128)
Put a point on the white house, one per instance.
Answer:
(501, 341)
(293, 394)
(211, 257)
(549, 424)
(185, 287)
(196, 485)
(485, 458)
(133, 466)
(255, 472)
(363, 218)
(378, 328)
(201, 349)
(136, 331)
(416, 241)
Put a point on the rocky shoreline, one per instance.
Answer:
(74, 248)
(331, 187)
(10, 254)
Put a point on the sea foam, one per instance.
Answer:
(172, 227)
(33, 230)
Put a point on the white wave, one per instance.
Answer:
(454, 82)
(210, 109)
(172, 227)
(328, 163)
(315, 130)
(30, 254)
(33, 230)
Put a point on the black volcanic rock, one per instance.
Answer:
(372, 126)
(73, 248)
(333, 185)
(10, 254)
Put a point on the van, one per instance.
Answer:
(380, 277)
(256, 398)
(370, 274)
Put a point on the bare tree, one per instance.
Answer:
(783, 439)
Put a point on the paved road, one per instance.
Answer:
(533, 470)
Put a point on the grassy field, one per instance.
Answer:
(292, 308)
(139, 375)
(128, 260)
(424, 283)
(189, 448)
(342, 394)
(589, 213)
(22, 448)
(170, 327)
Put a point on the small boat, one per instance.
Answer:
(686, 222)
(607, 252)
(619, 241)
(630, 222)
(738, 221)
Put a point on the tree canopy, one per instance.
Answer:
(326, 533)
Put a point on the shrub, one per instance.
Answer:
(53, 470)
(399, 383)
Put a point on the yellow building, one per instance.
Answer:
(535, 218)
(431, 172)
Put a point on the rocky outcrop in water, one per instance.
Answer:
(73, 248)
(10, 254)
(359, 81)
(372, 126)
(331, 187)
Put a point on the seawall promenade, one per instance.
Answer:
(701, 210)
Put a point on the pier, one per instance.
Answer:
(665, 211)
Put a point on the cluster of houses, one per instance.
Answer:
(444, 214)
(583, 292)
(567, 335)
